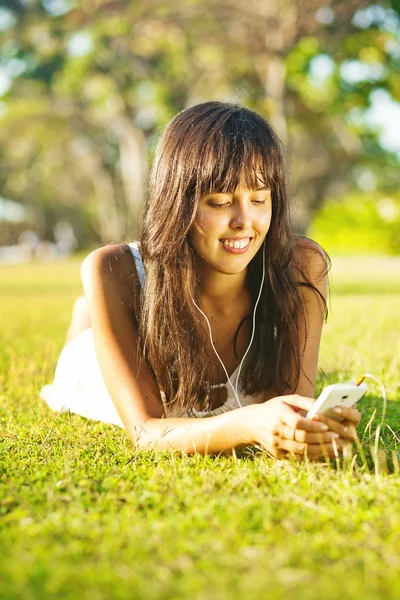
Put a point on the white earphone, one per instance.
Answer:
(235, 389)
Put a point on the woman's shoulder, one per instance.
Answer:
(115, 258)
(310, 260)
(112, 264)
(309, 256)
(305, 246)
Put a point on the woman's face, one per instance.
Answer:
(229, 229)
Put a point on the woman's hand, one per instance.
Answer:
(279, 427)
(346, 428)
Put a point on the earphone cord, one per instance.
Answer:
(235, 389)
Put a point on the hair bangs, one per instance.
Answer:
(238, 151)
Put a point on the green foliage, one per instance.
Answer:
(124, 68)
(85, 515)
(358, 224)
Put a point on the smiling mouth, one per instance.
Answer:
(236, 243)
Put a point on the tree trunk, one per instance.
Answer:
(134, 169)
(274, 85)
(111, 226)
(280, 29)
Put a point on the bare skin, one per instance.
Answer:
(274, 422)
(282, 430)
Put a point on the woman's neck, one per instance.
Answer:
(222, 294)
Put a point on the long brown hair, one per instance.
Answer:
(212, 147)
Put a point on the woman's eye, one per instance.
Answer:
(216, 205)
(257, 202)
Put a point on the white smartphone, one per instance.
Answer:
(337, 394)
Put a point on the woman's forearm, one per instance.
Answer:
(211, 435)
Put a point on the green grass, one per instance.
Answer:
(84, 515)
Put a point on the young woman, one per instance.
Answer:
(216, 313)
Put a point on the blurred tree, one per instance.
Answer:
(91, 85)
(298, 51)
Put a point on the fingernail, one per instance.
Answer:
(338, 410)
(324, 427)
(335, 436)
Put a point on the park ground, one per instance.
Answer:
(83, 515)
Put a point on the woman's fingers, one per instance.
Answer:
(294, 420)
(299, 435)
(349, 414)
(331, 450)
(346, 429)
(313, 451)
(289, 433)
(297, 401)
(303, 403)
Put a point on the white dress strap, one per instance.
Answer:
(134, 246)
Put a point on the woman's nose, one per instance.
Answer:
(241, 218)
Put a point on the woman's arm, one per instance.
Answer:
(109, 278)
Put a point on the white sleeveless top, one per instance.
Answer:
(230, 402)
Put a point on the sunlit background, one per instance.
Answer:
(86, 87)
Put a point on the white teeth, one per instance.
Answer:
(237, 244)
